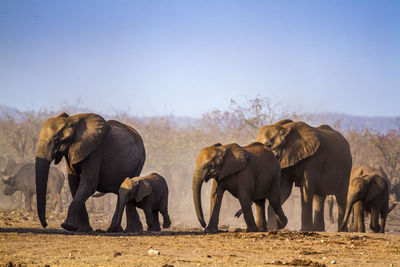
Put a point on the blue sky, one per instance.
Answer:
(189, 57)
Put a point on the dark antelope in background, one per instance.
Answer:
(23, 179)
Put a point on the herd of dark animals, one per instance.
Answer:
(368, 192)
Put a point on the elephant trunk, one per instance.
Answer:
(196, 187)
(349, 206)
(42, 173)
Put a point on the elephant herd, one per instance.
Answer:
(108, 156)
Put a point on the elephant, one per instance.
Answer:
(99, 155)
(331, 203)
(250, 173)
(368, 191)
(316, 159)
(149, 193)
(23, 179)
(396, 191)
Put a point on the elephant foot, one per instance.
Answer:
(154, 229)
(137, 231)
(86, 229)
(261, 229)
(69, 227)
(167, 223)
(251, 229)
(376, 229)
(319, 229)
(211, 230)
(113, 229)
(282, 222)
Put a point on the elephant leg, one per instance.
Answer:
(115, 225)
(149, 219)
(81, 221)
(341, 206)
(164, 211)
(285, 191)
(382, 222)
(215, 207)
(306, 209)
(384, 212)
(88, 180)
(280, 217)
(246, 202)
(374, 225)
(133, 223)
(156, 221)
(261, 221)
(358, 214)
(319, 203)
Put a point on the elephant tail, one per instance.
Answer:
(394, 204)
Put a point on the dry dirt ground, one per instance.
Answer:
(24, 243)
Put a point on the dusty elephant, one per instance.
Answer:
(23, 179)
(99, 155)
(396, 191)
(368, 191)
(250, 173)
(149, 193)
(316, 159)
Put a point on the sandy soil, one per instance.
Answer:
(23, 242)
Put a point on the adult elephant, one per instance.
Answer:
(316, 159)
(368, 191)
(250, 173)
(99, 155)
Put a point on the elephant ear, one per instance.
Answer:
(144, 190)
(234, 158)
(301, 141)
(89, 130)
(282, 122)
(63, 115)
(375, 186)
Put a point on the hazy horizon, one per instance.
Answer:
(185, 58)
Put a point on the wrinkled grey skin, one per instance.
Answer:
(149, 193)
(23, 179)
(99, 155)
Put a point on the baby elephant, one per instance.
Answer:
(149, 193)
(369, 191)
